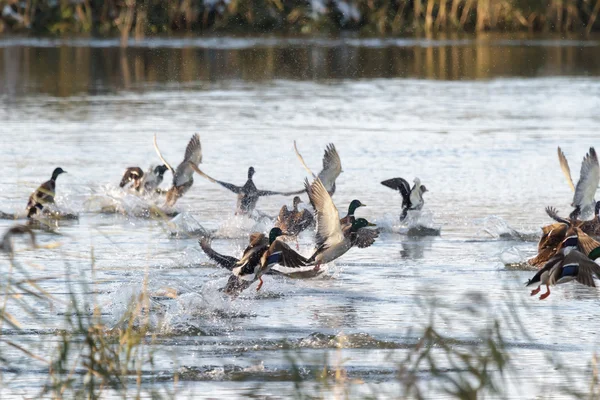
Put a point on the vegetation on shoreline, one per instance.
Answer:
(137, 18)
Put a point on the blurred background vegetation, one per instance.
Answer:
(137, 18)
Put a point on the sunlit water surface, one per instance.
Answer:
(484, 147)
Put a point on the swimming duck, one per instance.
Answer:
(6, 244)
(235, 285)
(349, 218)
(567, 265)
(183, 176)
(331, 239)
(412, 199)
(248, 194)
(332, 167)
(294, 221)
(44, 194)
(589, 178)
(148, 182)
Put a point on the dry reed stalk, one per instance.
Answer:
(442, 15)
(465, 13)
(429, 16)
(593, 17)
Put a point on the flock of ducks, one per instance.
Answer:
(567, 249)
(334, 235)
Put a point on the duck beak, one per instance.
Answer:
(371, 224)
(363, 205)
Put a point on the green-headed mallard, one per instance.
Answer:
(567, 265)
(147, 182)
(332, 167)
(589, 178)
(349, 218)
(44, 194)
(332, 240)
(183, 176)
(412, 198)
(248, 194)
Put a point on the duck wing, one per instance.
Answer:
(332, 166)
(589, 178)
(329, 230)
(193, 156)
(280, 253)
(161, 157)
(553, 213)
(366, 237)
(227, 262)
(131, 174)
(579, 266)
(564, 166)
(235, 189)
(401, 185)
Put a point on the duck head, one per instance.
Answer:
(274, 234)
(250, 172)
(360, 223)
(297, 200)
(160, 170)
(57, 172)
(354, 205)
(423, 189)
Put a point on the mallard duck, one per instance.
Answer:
(6, 244)
(590, 227)
(44, 194)
(332, 167)
(183, 176)
(144, 182)
(332, 240)
(294, 221)
(589, 178)
(262, 254)
(248, 194)
(235, 285)
(567, 265)
(412, 199)
(349, 218)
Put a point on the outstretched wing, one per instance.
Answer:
(553, 213)
(193, 151)
(271, 193)
(302, 161)
(564, 165)
(223, 260)
(230, 186)
(329, 230)
(193, 156)
(587, 269)
(366, 237)
(161, 157)
(589, 178)
(332, 166)
(282, 254)
(402, 186)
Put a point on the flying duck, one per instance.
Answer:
(590, 227)
(44, 194)
(412, 199)
(332, 239)
(148, 182)
(235, 285)
(589, 178)
(567, 265)
(294, 221)
(183, 176)
(6, 244)
(332, 167)
(248, 194)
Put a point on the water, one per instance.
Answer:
(477, 120)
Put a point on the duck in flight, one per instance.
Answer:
(248, 194)
(258, 259)
(294, 221)
(589, 178)
(44, 194)
(147, 182)
(412, 198)
(332, 239)
(183, 176)
(332, 167)
(568, 264)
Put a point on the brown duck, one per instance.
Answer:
(44, 194)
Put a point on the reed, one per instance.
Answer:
(381, 17)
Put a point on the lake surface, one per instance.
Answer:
(477, 120)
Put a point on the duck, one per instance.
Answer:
(183, 176)
(567, 265)
(412, 199)
(589, 178)
(44, 194)
(235, 284)
(147, 182)
(333, 240)
(349, 218)
(6, 244)
(294, 221)
(247, 195)
(332, 167)
(590, 227)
